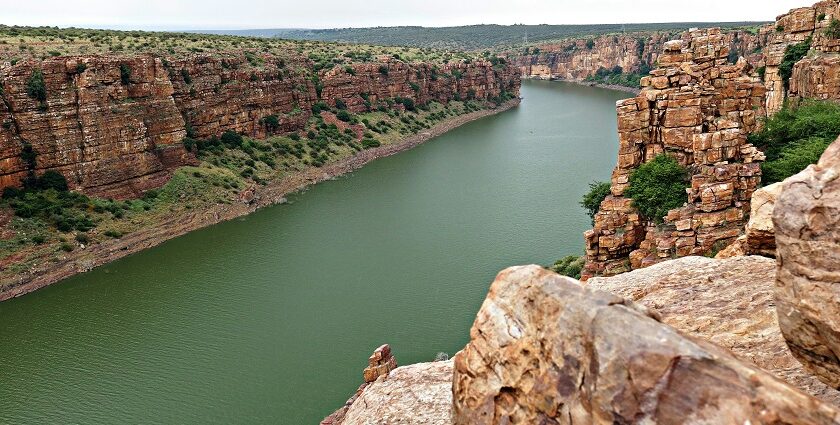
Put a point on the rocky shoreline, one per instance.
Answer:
(81, 261)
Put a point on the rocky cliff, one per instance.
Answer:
(577, 59)
(697, 108)
(114, 125)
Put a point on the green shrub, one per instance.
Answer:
(370, 143)
(344, 116)
(36, 88)
(833, 30)
(657, 187)
(383, 69)
(112, 234)
(82, 238)
(793, 138)
(590, 44)
(570, 266)
(232, 139)
(793, 54)
(66, 247)
(125, 74)
(52, 180)
(598, 191)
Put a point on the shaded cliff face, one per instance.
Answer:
(113, 126)
(578, 59)
(698, 109)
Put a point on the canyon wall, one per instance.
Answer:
(697, 108)
(113, 126)
(577, 59)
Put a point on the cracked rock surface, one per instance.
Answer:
(807, 222)
(546, 350)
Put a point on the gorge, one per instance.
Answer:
(273, 306)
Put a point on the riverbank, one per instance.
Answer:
(255, 197)
(632, 90)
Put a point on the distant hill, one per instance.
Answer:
(473, 37)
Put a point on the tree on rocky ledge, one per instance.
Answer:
(657, 187)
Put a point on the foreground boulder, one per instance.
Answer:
(546, 350)
(807, 221)
(728, 302)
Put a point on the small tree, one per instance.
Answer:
(658, 187)
(833, 30)
(125, 74)
(36, 88)
(52, 180)
(598, 191)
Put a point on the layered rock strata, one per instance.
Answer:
(807, 223)
(698, 109)
(545, 349)
(577, 59)
(815, 76)
(380, 363)
(114, 125)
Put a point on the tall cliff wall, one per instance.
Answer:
(577, 59)
(114, 125)
(698, 109)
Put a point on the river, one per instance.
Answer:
(270, 318)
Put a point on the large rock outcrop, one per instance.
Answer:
(697, 108)
(807, 222)
(546, 350)
(728, 302)
(113, 126)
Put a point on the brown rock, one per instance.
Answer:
(760, 234)
(415, 394)
(544, 349)
(807, 223)
(728, 302)
(380, 363)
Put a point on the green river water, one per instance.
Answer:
(270, 318)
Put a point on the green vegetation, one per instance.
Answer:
(570, 266)
(833, 30)
(657, 187)
(616, 76)
(598, 191)
(125, 74)
(793, 54)
(35, 86)
(477, 37)
(796, 137)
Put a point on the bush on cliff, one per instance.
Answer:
(657, 187)
(36, 88)
(598, 191)
(793, 54)
(796, 137)
(570, 266)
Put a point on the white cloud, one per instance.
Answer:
(206, 14)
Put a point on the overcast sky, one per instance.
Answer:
(251, 14)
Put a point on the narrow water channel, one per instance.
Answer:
(270, 318)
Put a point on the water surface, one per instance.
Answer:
(270, 318)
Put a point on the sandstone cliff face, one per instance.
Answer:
(574, 60)
(117, 135)
(699, 109)
(105, 135)
(813, 77)
(807, 222)
(545, 349)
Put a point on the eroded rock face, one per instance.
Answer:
(807, 222)
(415, 394)
(105, 135)
(697, 108)
(546, 350)
(728, 302)
(577, 59)
(760, 233)
(380, 363)
(113, 126)
(814, 77)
